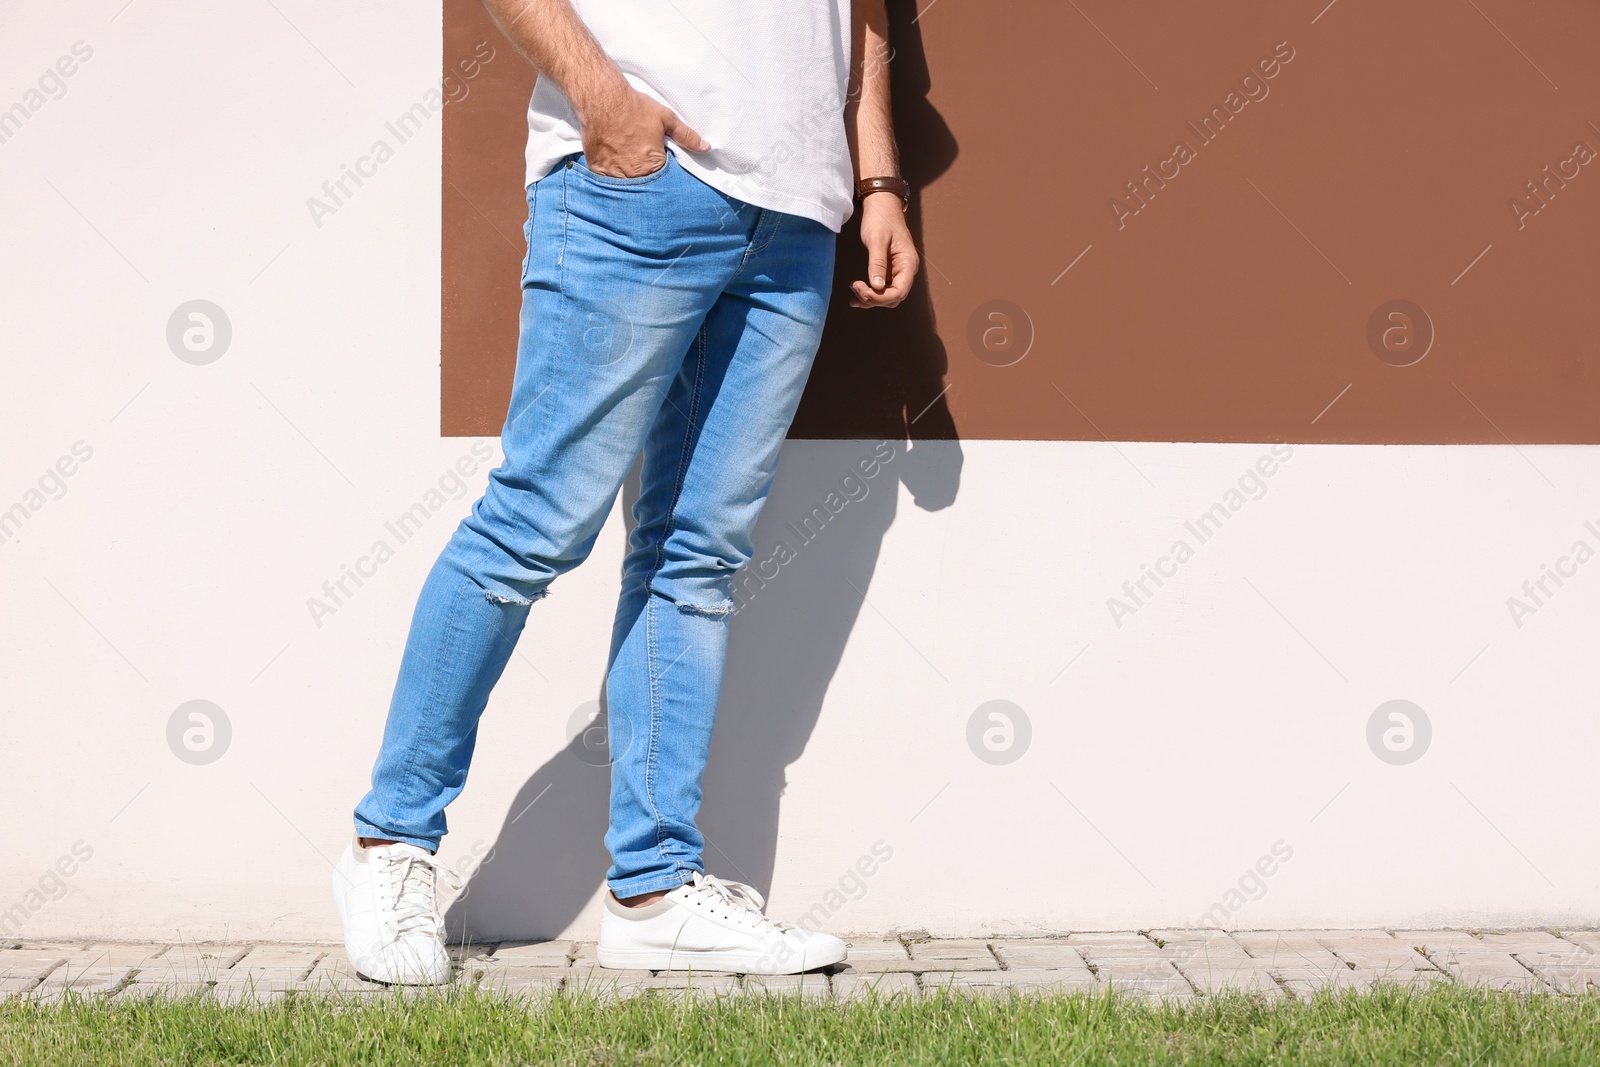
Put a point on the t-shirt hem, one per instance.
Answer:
(732, 184)
(750, 193)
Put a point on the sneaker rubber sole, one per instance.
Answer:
(736, 962)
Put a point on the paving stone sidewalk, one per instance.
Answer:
(1166, 964)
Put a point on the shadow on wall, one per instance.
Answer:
(548, 860)
(785, 642)
(881, 374)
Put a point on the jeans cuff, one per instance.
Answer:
(640, 884)
(366, 829)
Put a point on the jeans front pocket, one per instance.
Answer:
(580, 163)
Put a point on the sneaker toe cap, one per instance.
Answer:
(405, 963)
(821, 950)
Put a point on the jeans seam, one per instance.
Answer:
(533, 202)
(433, 691)
(684, 457)
(755, 249)
(561, 256)
(559, 333)
(654, 883)
(429, 843)
(650, 749)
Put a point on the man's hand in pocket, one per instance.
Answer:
(625, 134)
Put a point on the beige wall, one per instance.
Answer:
(1171, 746)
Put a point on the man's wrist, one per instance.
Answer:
(598, 94)
(884, 198)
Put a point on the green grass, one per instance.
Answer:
(1447, 1025)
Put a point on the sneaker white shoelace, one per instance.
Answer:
(413, 883)
(742, 901)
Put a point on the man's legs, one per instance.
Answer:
(619, 277)
(708, 464)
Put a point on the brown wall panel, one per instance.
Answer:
(1245, 291)
(483, 212)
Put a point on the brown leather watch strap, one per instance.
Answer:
(898, 186)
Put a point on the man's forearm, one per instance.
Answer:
(554, 39)
(868, 119)
(892, 258)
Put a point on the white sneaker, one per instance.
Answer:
(710, 925)
(389, 903)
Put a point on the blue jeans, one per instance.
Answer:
(658, 315)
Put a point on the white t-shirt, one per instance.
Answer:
(763, 81)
